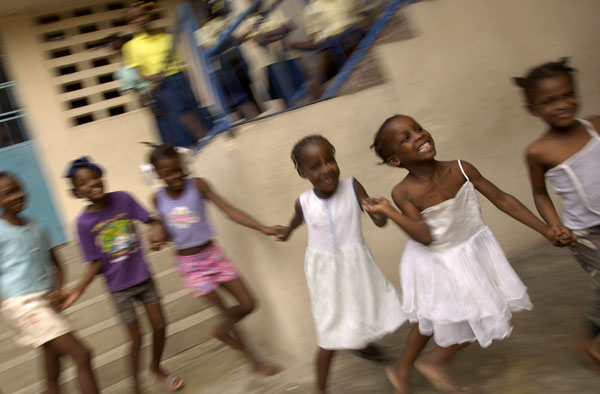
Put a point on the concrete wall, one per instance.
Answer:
(113, 142)
(453, 76)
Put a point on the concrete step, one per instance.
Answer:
(96, 323)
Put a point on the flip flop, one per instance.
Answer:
(171, 383)
(378, 356)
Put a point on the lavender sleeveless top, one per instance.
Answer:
(185, 217)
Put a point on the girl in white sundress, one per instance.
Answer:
(456, 281)
(353, 304)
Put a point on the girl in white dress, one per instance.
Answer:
(456, 281)
(353, 304)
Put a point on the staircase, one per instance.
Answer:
(95, 321)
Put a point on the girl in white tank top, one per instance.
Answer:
(353, 304)
(568, 155)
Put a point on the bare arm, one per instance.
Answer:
(59, 272)
(94, 268)
(542, 200)
(379, 219)
(506, 202)
(409, 220)
(296, 221)
(55, 294)
(232, 212)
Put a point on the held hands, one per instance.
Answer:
(69, 297)
(379, 205)
(561, 236)
(56, 299)
(157, 237)
(277, 231)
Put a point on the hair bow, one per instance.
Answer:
(81, 163)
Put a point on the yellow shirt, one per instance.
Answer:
(149, 53)
(328, 18)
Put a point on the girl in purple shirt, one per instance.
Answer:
(110, 243)
(202, 265)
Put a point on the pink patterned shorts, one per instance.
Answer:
(205, 271)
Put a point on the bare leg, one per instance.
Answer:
(52, 366)
(434, 367)
(399, 374)
(193, 125)
(233, 315)
(323, 364)
(249, 110)
(318, 73)
(159, 325)
(134, 354)
(588, 350)
(68, 345)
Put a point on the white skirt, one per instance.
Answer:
(462, 294)
(32, 319)
(353, 304)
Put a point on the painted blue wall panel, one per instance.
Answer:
(21, 160)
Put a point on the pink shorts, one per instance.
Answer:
(205, 271)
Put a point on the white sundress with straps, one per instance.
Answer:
(460, 288)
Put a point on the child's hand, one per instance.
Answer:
(157, 237)
(56, 299)
(69, 297)
(561, 236)
(274, 230)
(283, 233)
(379, 205)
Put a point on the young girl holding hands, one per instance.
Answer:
(201, 263)
(568, 155)
(456, 281)
(353, 304)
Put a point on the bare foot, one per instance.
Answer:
(587, 355)
(265, 369)
(438, 376)
(400, 386)
(227, 339)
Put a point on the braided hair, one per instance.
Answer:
(543, 71)
(311, 139)
(379, 146)
(164, 151)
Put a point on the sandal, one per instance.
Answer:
(171, 383)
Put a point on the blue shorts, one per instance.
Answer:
(174, 98)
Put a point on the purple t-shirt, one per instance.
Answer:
(109, 235)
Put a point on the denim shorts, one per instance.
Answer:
(144, 293)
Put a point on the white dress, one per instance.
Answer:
(353, 304)
(460, 288)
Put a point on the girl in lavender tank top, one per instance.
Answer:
(201, 264)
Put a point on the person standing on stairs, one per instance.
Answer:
(110, 243)
(31, 280)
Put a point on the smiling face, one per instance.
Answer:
(318, 165)
(554, 100)
(408, 142)
(87, 183)
(170, 170)
(12, 197)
